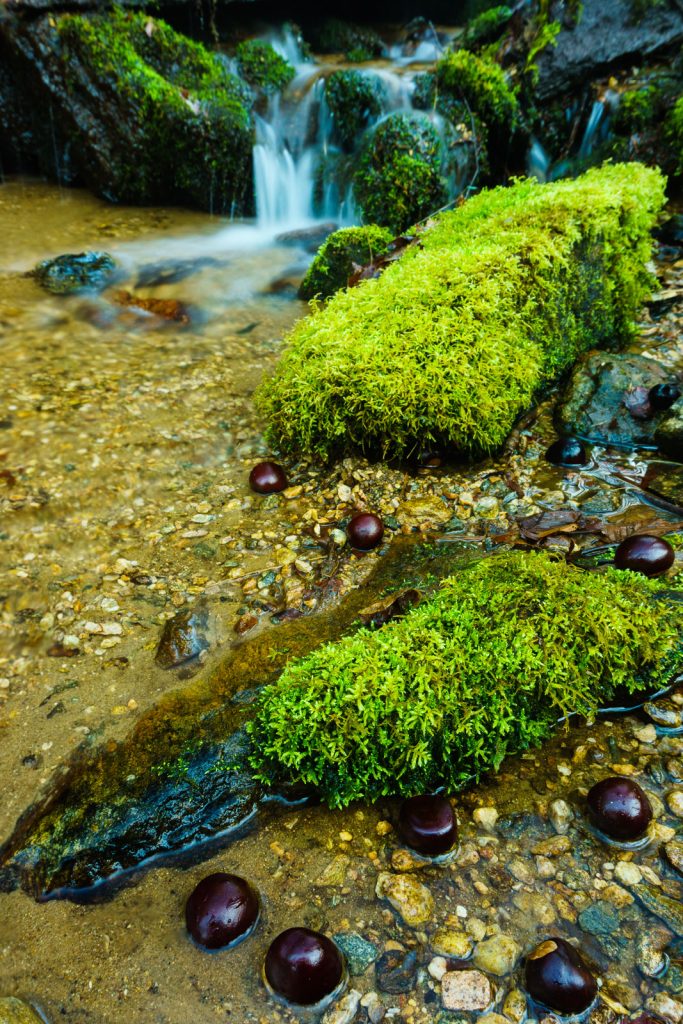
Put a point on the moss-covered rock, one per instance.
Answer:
(262, 66)
(358, 43)
(354, 100)
(482, 85)
(335, 260)
(399, 178)
(486, 27)
(483, 669)
(138, 112)
(453, 341)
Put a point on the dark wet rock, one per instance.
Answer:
(608, 34)
(76, 272)
(669, 433)
(138, 112)
(599, 919)
(183, 638)
(396, 971)
(663, 713)
(601, 403)
(152, 275)
(309, 239)
(359, 952)
(671, 231)
(357, 42)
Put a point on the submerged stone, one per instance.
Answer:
(360, 953)
(15, 1011)
(183, 638)
(396, 971)
(417, 357)
(76, 272)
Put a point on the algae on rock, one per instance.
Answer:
(334, 262)
(262, 66)
(483, 669)
(456, 338)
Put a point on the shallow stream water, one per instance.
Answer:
(125, 446)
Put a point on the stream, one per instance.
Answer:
(126, 441)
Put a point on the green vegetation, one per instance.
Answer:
(483, 669)
(358, 43)
(262, 66)
(674, 130)
(456, 338)
(354, 100)
(178, 124)
(482, 85)
(636, 110)
(399, 178)
(486, 27)
(334, 262)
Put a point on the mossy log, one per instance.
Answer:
(485, 668)
(138, 112)
(456, 338)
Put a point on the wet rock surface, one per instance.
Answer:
(68, 274)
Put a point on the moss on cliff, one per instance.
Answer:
(176, 123)
(334, 262)
(262, 66)
(483, 669)
(454, 340)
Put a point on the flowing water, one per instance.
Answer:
(125, 444)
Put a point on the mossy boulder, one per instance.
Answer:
(482, 85)
(335, 260)
(358, 43)
(262, 66)
(399, 178)
(457, 338)
(354, 100)
(139, 113)
(483, 669)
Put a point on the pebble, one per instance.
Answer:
(560, 814)
(553, 847)
(359, 952)
(650, 958)
(437, 967)
(412, 900)
(599, 919)
(627, 873)
(674, 855)
(486, 818)
(345, 1010)
(374, 1006)
(465, 990)
(497, 955)
(674, 801)
(663, 1005)
(648, 734)
(515, 1007)
(452, 943)
(663, 713)
(335, 872)
(396, 971)
(15, 1011)
(669, 910)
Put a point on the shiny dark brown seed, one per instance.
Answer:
(619, 808)
(365, 531)
(267, 478)
(557, 977)
(428, 824)
(303, 966)
(220, 910)
(663, 396)
(567, 451)
(647, 555)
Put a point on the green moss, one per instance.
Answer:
(486, 27)
(354, 100)
(358, 43)
(454, 340)
(179, 124)
(482, 85)
(674, 131)
(399, 178)
(334, 262)
(636, 110)
(483, 669)
(262, 66)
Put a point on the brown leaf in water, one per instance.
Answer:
(614, 533)
(167, 309)
(553, 521)
(390, 607)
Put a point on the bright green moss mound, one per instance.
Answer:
(262, 66)
(399, 176)
(483, 669)
(178, 123)
(456, 338)
(481, 83)
(334, 262)
(354, 100)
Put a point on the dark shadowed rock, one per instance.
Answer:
(606, 399)
(608, 34)
(669, 433)
(183, 638)
(76, 272)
